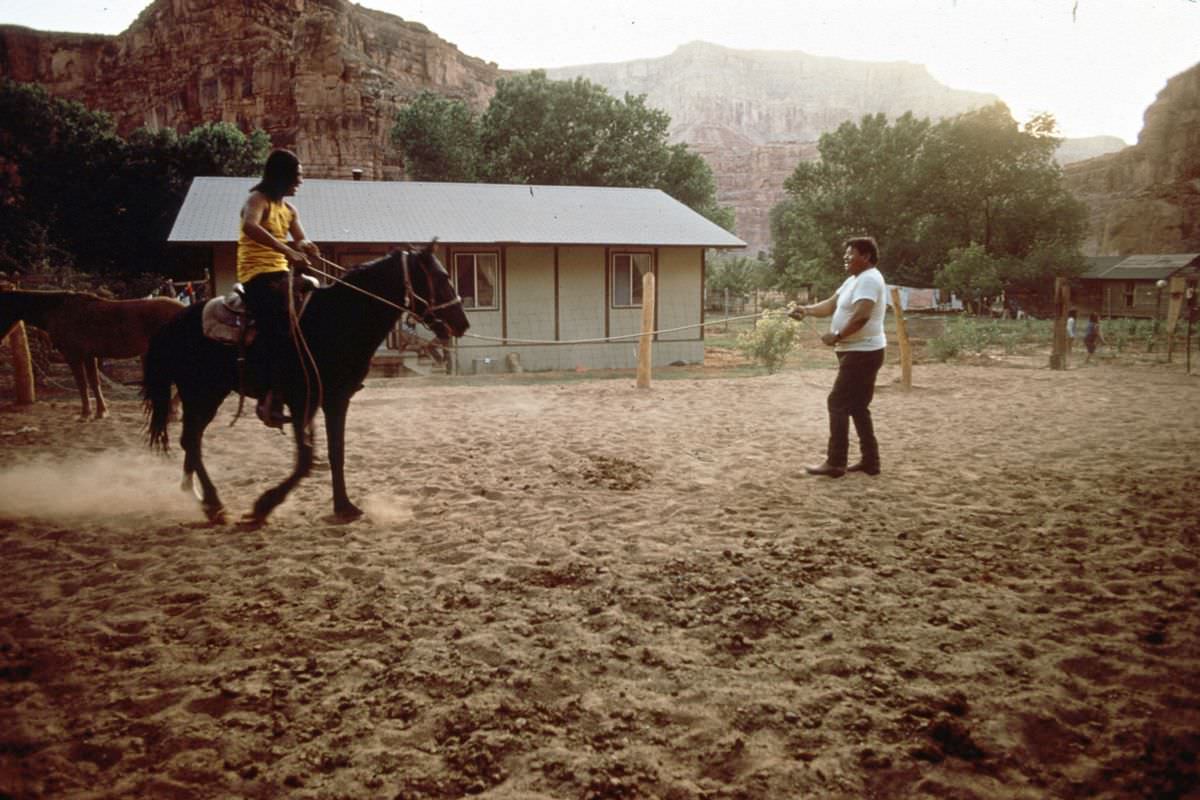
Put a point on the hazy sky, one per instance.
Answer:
(1096, 72)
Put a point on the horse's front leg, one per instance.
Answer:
(91, 368)
(80, 373)
(335, 435)
(304, 459)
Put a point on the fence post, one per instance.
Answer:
(905, 345)
(23, 384)
(644, 344)
(1062, 300)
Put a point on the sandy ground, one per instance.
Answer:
(580, 590)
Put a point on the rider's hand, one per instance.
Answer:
(797, 313)
(296, 257)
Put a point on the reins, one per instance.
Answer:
(410, 295)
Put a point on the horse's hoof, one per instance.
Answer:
(215, 515)
(251, 521)
(348, 513)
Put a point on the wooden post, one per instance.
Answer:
(23, 385)
(644, 353)
(1177, 287)
(1062, 301)
(905, 346)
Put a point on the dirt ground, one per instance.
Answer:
(582, 590)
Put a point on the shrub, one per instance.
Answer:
(770, 340)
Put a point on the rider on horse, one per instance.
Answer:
(263, 259)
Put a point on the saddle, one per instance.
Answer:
(226, 320)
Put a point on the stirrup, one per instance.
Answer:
(270, 416)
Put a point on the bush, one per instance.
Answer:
(969, 335)
(770, 340)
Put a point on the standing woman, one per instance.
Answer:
(263, 260)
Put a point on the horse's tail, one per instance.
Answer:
(157, 379)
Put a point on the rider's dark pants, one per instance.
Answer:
(267, 300)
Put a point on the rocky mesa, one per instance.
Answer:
(1146, 198)
(324, 77)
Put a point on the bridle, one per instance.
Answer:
(411, 296)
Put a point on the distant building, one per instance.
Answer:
(538, 266)
(1127, 286)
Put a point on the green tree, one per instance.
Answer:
(992, 182)
(438, 138)
(926, 191)
(741, 275)
(973, 274)
(864, 183)
(61, 162)
(74, 194)
(688, 178)
(539, 131)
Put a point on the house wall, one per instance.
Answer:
(558, 295)
(680, 293)
(1113, 299)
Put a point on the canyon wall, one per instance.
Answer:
(1146, 198)
(324, 77)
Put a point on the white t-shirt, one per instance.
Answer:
(866, 285)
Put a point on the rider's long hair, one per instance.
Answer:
(279, 174)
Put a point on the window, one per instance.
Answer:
(627, 272)
(1130, 286)
(476, 275)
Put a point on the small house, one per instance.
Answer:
(1132, 286)
(549, 275)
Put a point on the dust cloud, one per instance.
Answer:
(94, 486)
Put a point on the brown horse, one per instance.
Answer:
(84, 328)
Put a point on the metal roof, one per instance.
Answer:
(1146, 268)
(394, 212)
(1098, 265)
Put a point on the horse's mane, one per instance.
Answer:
(371, 266)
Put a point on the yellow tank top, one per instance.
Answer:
(255, 259)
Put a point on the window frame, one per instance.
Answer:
(612, 276)
(474, 255)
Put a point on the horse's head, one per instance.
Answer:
(438, 304)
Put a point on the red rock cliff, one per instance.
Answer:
(1146, 198)
(324, 77)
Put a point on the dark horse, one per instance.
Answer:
(84, 328)
(342, 326)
